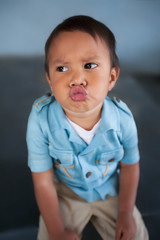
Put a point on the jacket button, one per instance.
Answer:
(48, 94)
(58, 161)
(117, 99)
(111, 160)
(88, 174)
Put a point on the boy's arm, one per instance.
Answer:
(128, 183)
(47, 201)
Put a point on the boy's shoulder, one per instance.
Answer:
(120, 106)
(43, 101)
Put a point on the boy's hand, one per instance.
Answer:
(67, 234)
(126, 227)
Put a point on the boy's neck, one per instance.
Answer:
(85, 120)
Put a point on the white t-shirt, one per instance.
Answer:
(86, 135)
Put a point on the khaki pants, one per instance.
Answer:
(76, 213)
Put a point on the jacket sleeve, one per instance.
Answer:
(39, 159)
(129, 136)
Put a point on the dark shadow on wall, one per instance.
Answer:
(22, 81)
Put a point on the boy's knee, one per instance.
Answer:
(141, 232)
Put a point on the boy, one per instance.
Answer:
(86, 140)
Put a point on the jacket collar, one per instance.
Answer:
(110, 120)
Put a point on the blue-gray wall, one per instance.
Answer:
(25, 26)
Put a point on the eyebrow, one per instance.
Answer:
(58, 61)
(61, 61)
(95, 57)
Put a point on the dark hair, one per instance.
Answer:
(90, 26)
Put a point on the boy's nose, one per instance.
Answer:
(78, 80)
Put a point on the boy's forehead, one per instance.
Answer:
(64, 34)
(75, 39)
(75, 35)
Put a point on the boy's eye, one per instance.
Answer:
(90, 65)
(62, 69)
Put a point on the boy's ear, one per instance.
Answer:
(113, 77)
(48, 79)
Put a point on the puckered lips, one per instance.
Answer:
(78, 93)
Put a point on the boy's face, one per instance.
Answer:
(80, 73)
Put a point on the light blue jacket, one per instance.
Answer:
(91, 171)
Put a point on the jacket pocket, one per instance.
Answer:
(109, 160)
(63, 160)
